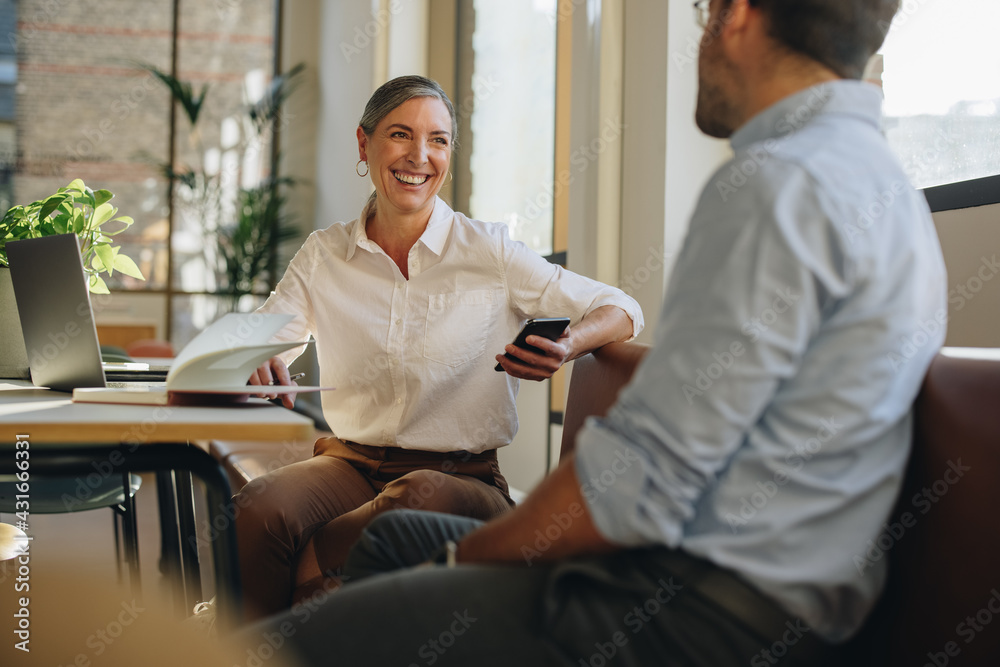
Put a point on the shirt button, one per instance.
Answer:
(398, 322)
(399, 401)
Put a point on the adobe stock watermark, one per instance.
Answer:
(918, 164)
(795, 630)
(271, 641)
(580, 160)
(435, 647)
(228, 511)
(102, 638)
(794, 461)
(635, 620)
(563, 10)
(907, 9)
(875, 210)
(929, 331)
(29, 25)
(922, 501)
(111, 466)
(624, 459)
(968, 630)
(561, 522)
(743, 169)
(706, 377)
(966, 291)
(42, 353)
(227, 9)
(656, 259)
(119, 110)
(365, 35)
(692, 49)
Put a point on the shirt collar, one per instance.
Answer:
(433, 238)
(845, 97)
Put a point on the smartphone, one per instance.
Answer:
(548, 327)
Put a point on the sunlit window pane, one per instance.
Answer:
(513, 120)
(942, 89)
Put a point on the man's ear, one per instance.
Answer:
(735, 22)
(362, 145)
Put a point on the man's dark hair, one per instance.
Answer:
(841, 34)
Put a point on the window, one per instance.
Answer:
(942, 94)
(506, 104)
(76, 102)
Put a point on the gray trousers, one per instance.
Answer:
(637, 607)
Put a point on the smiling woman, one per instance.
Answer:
(411, 305)
(408, 147)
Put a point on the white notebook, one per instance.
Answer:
(212, 368)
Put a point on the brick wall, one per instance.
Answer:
(84, 110)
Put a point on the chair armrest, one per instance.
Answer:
(594, 384)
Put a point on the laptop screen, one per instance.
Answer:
(53, 303)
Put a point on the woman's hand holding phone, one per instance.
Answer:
(541, 348)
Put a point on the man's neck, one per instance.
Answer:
(792, 75)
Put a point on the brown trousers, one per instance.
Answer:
(331, 497)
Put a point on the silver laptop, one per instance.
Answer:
(57, 322)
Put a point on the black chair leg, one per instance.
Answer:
(130, 529)
(115, 517)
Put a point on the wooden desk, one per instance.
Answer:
(68, 439)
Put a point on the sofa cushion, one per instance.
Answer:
(942, 602)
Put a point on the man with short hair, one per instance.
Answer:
(721, 512)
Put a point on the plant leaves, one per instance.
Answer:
(125, 264)
(97, 285)
(126, 221)
(51, 204)
(107, 255)
(102, 196)
(102, 214)
(181, 91)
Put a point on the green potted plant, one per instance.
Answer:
(74, 209)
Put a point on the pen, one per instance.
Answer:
(292, 378)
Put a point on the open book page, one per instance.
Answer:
(218, 361)
(231, 332)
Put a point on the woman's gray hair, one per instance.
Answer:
(393, 93)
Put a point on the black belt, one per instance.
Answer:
(748, 606)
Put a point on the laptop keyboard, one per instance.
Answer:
(133, 384)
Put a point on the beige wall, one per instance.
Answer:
(970, 241)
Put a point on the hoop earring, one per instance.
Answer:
(357, 169)
(451, 178)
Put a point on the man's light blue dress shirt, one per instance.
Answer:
(768, 429)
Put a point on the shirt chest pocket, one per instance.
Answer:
(457, 326)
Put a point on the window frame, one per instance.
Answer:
(963, 194)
